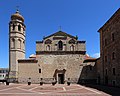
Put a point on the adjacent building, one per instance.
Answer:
(3, 74)
(110, 50)
(89, 71)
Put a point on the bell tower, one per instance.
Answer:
(16, 43)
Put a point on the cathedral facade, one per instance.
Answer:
(58, 56)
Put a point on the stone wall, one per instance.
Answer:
(51, 66)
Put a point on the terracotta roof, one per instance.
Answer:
(60, 33)
(89, 59)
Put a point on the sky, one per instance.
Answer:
(43, 17)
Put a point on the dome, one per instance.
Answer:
(17, 16)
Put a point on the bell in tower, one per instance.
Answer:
(16, 43)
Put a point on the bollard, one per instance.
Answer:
(68, 82)
(53, 83)
(7, 83)
(41, 82)
(29, 83)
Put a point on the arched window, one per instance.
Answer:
(72, 48)
(13, 27)
(19, 44)
(48, 48)
(23, 44)
(23, 30)
(19, 28)
(13, 43)
(60, 45)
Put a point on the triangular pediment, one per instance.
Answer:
(60, 33)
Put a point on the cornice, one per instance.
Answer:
(23, 51)
(13, 32)
(60, 52)
(27, 61)
(17, 37)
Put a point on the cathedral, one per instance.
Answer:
(59, 56)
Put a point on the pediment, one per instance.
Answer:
(60, 34)
(48, 41)
(72, 41)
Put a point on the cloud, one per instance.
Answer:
(96, 55)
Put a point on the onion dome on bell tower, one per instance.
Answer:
(17, 16)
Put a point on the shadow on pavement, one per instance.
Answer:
(114, 91)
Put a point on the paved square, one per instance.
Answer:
(48, 90)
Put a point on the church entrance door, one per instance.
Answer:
(60, 78)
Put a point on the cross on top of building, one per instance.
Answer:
(60, 28)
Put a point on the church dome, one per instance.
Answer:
(17, 16)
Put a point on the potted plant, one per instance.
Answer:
(7, 83)
(7, 80)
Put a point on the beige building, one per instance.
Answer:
(59, 56)
(110, 50)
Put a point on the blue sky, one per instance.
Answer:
(43, 17)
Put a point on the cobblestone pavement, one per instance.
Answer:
(48, 90)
